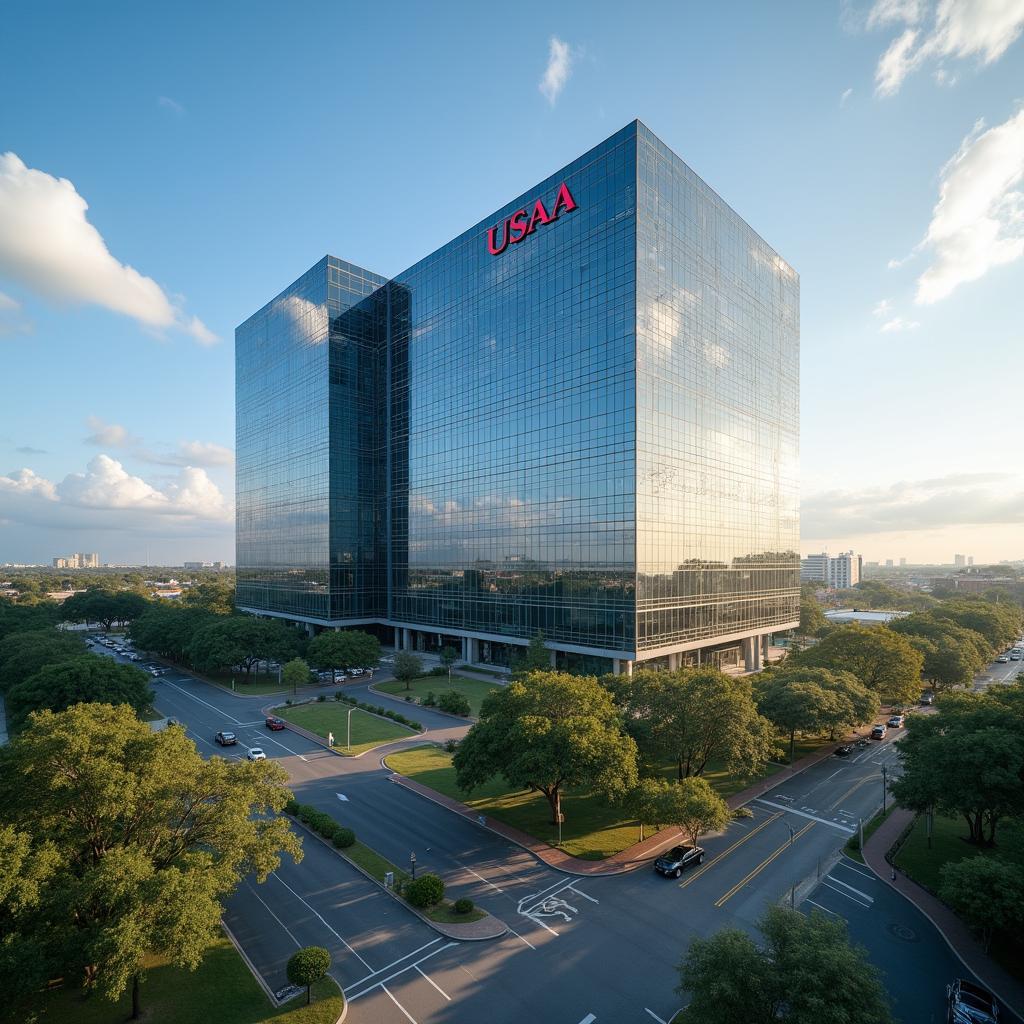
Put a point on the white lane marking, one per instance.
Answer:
(655, 1016)
(856, 871)
(852, 899)
(561, 881)
(485, 880)
(192, 696)
(395, 974)
(325, 924)
(270, 739)
(342, 797)
(804, 814)
(398, 1004)
(589, 1017)
(388, 967)
(518, 936)
(820, 907)
(434, 983)
(832, 878)
(583, 894)
(273, 915)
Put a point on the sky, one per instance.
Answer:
(167, 169)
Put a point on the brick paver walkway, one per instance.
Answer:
(636, 856)
(952, 929)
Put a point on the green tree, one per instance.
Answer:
(87, 679)
(535, 658)
(547, 732)
(807, 972)
(344, 649)
(646, 801)
(694, 806)
(986, 892)
(448, 656)
(216, 595)
(96, 604)
(241, 640)
(812, 618)
(999, 624)
(150, 839)
(967, 760)
(24, 654)
(882, 660)
(17, 618)
(295, 674)
(168, 629)
(407, 667)
(694, 717)
(307, 967)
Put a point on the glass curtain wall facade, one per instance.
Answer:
(589, 430)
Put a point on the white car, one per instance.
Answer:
(256, 754)
(1003, 659)
(353, 672)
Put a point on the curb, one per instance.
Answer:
(252, 967)
(439, 928)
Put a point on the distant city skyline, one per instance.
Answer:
(143, 217)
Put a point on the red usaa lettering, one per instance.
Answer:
(520, 224)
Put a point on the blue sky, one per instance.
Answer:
(222, 149)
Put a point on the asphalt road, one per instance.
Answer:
(595, 949)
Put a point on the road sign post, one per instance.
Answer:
(330, 739)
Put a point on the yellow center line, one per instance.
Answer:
(855, 786)
(718, 856)
(760, 867)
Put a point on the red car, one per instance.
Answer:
(274, 724)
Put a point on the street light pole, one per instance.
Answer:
(348, 746)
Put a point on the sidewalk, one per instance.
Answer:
(957, 935)
(636, 856)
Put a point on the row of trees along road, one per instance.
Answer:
(117, 843)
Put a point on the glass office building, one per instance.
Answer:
(579, 417)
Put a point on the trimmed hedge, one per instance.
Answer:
(463, 906)
(425, 891)
(322, 823)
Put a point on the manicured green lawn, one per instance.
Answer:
(474, 690)
(593, 829)
(367, 730)
(221, 989)
(255, 682)
(948, 846)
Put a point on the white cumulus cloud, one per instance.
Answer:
(48, 245)
(959, 30)
(978, 222)
(191, 453)
(107, 435)
(556, 74)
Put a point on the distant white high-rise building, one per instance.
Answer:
(843, 570)
(903, 562)
(959, 561)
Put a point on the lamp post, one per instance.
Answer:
(348, 746)
(412, 865)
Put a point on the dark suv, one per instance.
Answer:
(679, 857)
(226, 739)
(970, 1004)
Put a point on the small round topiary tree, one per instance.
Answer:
(343, 837)
(308, 966)
(425, 891)
(463, 906)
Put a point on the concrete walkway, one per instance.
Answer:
(636, 856)
(958, 936)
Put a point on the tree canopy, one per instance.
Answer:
(967, 760)
(693, 717)
(216, 595)
(97, 604)
(988, 893)
(534, 658)
(24, 654)
(547, 732)
(407, 667)
(86, 679)
(307, 966)
(168, 629)
(241, 640)
(344, 649)
(694, 806)
(882, 660)
(147, 839)
(807, 972)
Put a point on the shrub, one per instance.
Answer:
(451, 746)
(380, 710)
(463, 906)
(321, 697)
(454, 703)
(438, 670)
(425, 891)
(291, 807)
(343, 837)
(288, 701)
(339, 696)
(430, 700)
(408, 698)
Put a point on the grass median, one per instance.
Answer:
(593, 829)
(222, 989)
(474, 690)
(368, 731)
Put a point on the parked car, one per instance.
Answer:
(927, 699)
(353, 672)
(896, 722)
(844, 751)
(1002, 659)
(256, 754)
(274, 724)
(970, 1004)
(679, 857)
(387, 660)
(878, 732)
(226, 739)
